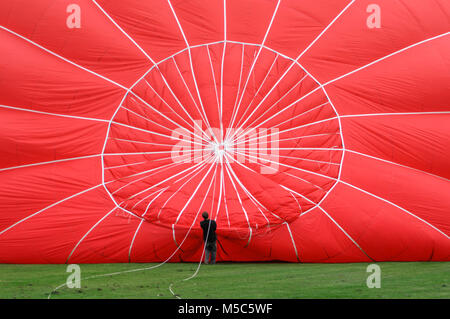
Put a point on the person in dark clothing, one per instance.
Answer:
(209, 237)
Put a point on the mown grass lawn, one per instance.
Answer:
(230, 280)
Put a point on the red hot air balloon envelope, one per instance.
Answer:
(311, 131)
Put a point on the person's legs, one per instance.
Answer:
(213, 253)
(207, 254)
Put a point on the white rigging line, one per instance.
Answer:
(233, 113)
(281, 185)
(259, 88)
(193, 194)
(54, 114)
(257, 56)
(88, 232)
(214, 80)
(154, 170)
(167, 179)
(242, 205)
(345, 233)
(187, 87)
(250, 196)
(192, 68)
(296, 60)
(49, 162)
(179, 188)
(178, 101)
(149, 58)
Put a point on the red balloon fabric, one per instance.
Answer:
(311, 131)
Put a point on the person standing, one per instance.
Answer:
(209, 238)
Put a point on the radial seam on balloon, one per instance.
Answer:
(294, 138)
(123, 31)
(221, 91)
(306, 112)
(252, 198)
(233, 113)
(299, 206)
(125, 165)
(138, 153)
(214, 194)
(237, 193)
(214, 80)
(139, 142)
(49, 162)
(137, 45)
(295, 61)
(301, 137)
(167, 179)
(186, 86)
(259, 88)
(395, 114)
(154, 133)
(257, 56)
(283, 131)
(88, 232)
(193, 194)
(178, 101)
(48, 207)
(222, 181)
(278, 113)
(160, 191)
(395, 205)
(221, 68)
(140, 224)
(398, 164)
(346, 234)
(290, 119)
(164, 101)
(290, 105)
(293, 167)
(278, 101)
(63, 58)
(298, 194)
(162, 114)
(243, 209)
(157, 168)
(285, 187)
(179, 188)
(385, 57)
(162, 168)
(293, 157)
(53, 114)
(192, 69)
(219, 202)
(324, 30)
(293, 242)
(151, 202)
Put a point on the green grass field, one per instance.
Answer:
(230, 280)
